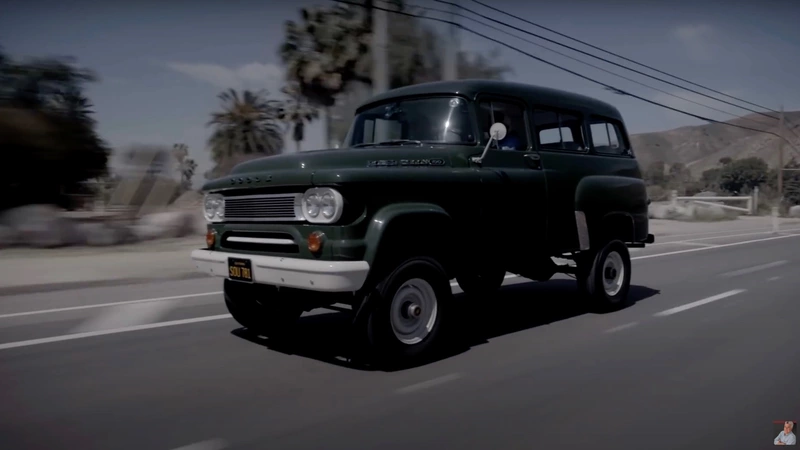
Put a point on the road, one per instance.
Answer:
(706, 358)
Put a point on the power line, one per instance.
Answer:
(620, 56)
(630, 60)
(579, 75)
(439, 10)
(601, 58)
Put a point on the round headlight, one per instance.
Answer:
(322, 205)
(312, 205)
(328, 205)
(214, 207)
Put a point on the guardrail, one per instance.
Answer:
(751, 200)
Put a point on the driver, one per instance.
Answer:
(511, 141)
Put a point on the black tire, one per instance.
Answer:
(262, 309)
(604, 265)
(383, 342)
(486, 282)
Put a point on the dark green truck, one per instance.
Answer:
(463, 180)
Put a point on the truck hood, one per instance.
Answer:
(305, 168)
(350, 158)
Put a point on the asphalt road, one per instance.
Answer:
(707, 358)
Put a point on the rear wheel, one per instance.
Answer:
(262, 309)
(409, 309)
(604, 276)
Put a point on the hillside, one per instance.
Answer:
(701, 147)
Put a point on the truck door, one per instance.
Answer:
(515, 184)
(563, 148)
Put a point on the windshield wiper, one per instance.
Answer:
(391, 142)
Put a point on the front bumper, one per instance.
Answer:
(313, 275)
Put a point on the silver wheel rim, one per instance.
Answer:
(414, 311)
(613, 274)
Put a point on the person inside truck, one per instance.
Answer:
(512, 140)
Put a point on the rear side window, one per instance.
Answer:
(607, 138)
(559, 131)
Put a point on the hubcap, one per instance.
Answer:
(613, 274)
(414, 311)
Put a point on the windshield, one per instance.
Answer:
(434, 120)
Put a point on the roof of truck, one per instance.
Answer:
(534, 95)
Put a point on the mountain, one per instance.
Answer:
(701, 147)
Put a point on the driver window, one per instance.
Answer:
(510, 115)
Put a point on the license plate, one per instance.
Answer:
(240, 269)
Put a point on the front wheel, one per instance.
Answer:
(408, 310)
(605, 277)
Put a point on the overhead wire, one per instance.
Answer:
(594, 66)
(572, 38)
(484, 16)
(579, 75)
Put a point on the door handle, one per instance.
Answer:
(533, 160)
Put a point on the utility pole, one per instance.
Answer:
(451, 47)
(380, 59)
(780, 157)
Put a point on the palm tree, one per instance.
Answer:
(247, 124)
(296, 113)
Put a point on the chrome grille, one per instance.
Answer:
(263, 208)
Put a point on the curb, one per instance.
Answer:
(72, 285)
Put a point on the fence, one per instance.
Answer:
(751, 200)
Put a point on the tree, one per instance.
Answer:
(742, 175)
(725, 161)
(186, 166)
(328, 53)
(710, 177)
(791, 183)
(296, 112)
(247, 125)
(654, 174)
(48, 132)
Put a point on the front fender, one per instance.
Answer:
(392, 215)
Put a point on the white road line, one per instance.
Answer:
(717, 237)
(212, 444)
(733, 244)
(70, 337)
(104, 305)
(702, 302)
(223, 316)
(124, 316)
(622, 327)
(698, 244)
(773, 278)
(706, 233)
(757, 268)
(508, 275)
(429, 383)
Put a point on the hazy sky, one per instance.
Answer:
(163, 63)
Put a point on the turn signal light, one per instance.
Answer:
(315, 241)
(211, 238)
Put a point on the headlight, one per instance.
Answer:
(214, 207)
(322, 205)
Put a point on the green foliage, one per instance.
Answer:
(48, 131)
(248, 124)
(296, 112)
(742, 175)
(791, 183)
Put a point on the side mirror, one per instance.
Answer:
(497, 132)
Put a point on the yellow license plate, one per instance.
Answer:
(240, 269)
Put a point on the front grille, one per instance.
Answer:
(263, 208)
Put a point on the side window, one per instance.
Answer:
(509, 114)
(607, 138)
(560, 131)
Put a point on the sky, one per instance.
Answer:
(162, 64)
